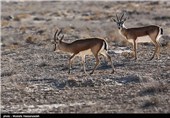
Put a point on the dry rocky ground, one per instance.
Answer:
(35, 79)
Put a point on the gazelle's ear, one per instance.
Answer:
(112, 19)
(62, 38)
(124, 20)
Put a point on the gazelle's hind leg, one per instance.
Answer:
(155, 41)
(95, 52)
(105, 54)
(84, 62)
(158, 52)
(158, 41)
(159, 46)
(157, 49)
(97, 63)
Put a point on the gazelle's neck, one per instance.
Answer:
(122, 29)
(124, 26)
(63, 46)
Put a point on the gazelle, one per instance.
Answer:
(136, 35)
(82, 48)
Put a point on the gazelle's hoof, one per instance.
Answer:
(150, 59)
(85, 73)
(112, 72)
(134, 59)
(69, 72)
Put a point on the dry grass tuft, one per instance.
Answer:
(8, 73)
(117, 38)
(19, 17)
(31, 39)
(151, 102)
(127, 54)
(13, 46)
(166, 44)
(5, 23)
(152, 90)
(43, 64)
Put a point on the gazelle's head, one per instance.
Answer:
(57, 40)
(119, 21)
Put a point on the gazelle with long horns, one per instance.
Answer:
(83, 47)
(151, 33)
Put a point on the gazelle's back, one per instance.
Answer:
(85, 44)
(142, 31)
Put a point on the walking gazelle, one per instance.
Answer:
(136, 35)
(82, 48)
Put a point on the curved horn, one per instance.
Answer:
(121, 16)
(57, 33)
(62, 38)
(117, 17)
(55, 36)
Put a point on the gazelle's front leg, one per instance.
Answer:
(106, 55)
(158, 52)
(70, 62)
(135, 49)
(110, 63)
(84, 62)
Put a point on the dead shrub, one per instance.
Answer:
(117, 38)
(152, 90)
(4, 23)
(14, 45)
(23, 29)
(8, 73)
(31, 39)
(19, 17)
(127, 54)
(123, 42)
(112, 35)
(151, 102)
(42, 64)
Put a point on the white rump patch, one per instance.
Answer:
(159, 36)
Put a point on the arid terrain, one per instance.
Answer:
(35, 79)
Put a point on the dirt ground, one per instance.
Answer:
(35, 79)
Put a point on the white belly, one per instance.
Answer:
(143, 39)
(89, 52)
(85, 52)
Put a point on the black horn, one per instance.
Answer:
(117, 17)
(55, 36)
(57, 33)
(121, 17)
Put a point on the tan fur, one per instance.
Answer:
(148, 34)
(83, 47)
(141, 35)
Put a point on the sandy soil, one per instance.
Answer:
(35, 79)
